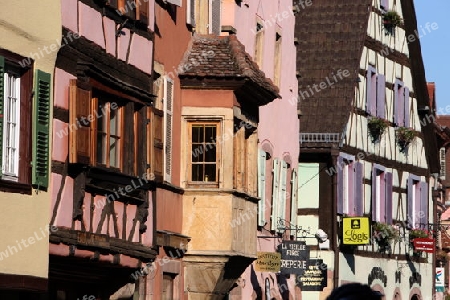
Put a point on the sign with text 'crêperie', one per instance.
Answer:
(294, 257)
(355, 231)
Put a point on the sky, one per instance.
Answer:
(436, 47)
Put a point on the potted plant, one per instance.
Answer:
(384, 234)
(391, 19)
(376, 127)
(404, 137)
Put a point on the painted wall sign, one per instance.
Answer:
(315, 276)
(294, 257)
(440, 279)
(268, 262)
(355, 231)
(424, 244)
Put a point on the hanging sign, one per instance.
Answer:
(294, 257)
(268, 262)
(315, 276)
(356, 231)
(424, 244)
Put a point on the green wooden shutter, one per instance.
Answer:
(2, 95)
(41, 135)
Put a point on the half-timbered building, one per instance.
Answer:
(367, 146)
(103, 172)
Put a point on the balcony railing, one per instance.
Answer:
(319, 138)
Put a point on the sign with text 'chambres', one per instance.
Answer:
(356, 231)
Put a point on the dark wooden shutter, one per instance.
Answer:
(2, 95)
(340, 185)
(143, 11)
(168, 117)
(80, 135)
(388, 198)
(215, 16)
(381, 95)
(359, 189)
(157, 156)
(41, 132)
(128, 139)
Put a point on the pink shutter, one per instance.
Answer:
(385, 4)
(374, 194)
(371, 91)
(388, 198)
(351, 190)
(381, 95)
(423, 215)
(407, 106)
(340, 186)
(359, 185)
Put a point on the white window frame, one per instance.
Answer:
(9, 174)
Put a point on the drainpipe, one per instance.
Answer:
(334, 155)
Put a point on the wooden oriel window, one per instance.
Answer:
(203, 164)
(108, 129)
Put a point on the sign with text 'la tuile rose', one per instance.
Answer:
(268, 262)
(355, 231)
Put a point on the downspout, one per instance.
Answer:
(334, 155)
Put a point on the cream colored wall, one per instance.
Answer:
(26, 27)
(363, 266)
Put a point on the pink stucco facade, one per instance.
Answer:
(278, 129)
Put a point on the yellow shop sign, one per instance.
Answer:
(356, 231)
(268, 262)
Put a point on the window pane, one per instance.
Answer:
(210, 153)
(11, 128)
(197, 172)
(210, 133)
(113, 125)
(113, 152)
(197, 153)
(197, 133)
(210, 172)
(101, 148)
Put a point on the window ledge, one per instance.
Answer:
(9, 186)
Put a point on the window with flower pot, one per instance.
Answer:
(381, 195)
(376, 93)
(401, 104)
(417, 202)
(350, 199)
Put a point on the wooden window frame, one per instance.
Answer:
(204, 184)
(24, 180)
(94, 137)
(134, 9)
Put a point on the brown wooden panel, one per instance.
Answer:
(157, 140)
(80, 131)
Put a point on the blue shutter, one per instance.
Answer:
(261, 187)
(359, 189)
(340, 185)
(381, 95)
(282, 199)
(275, 194)
(388, 197)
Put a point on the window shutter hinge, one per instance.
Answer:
(148, 121)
